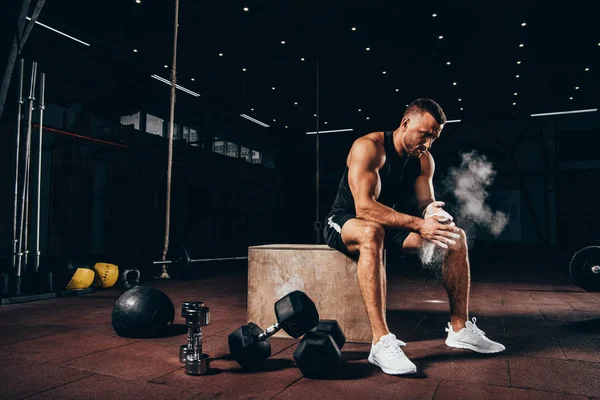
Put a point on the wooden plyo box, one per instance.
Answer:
(327, 276)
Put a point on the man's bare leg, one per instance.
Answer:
(457, 280)
(455, 272)
(367, 238)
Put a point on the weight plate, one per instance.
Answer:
(582, 268)
(180, 268)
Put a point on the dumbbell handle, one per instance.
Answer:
(270, 331)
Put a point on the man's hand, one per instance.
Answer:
(435, 209)
(437, 230)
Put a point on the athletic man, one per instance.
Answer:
(386, 200)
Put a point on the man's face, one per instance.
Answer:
(420, 131)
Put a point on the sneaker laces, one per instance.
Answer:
(471, 327)
(391, 347)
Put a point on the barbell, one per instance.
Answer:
(585, 268)
(179, 261)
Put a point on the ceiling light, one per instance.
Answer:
(296, 103)
(407, 105)
(252, 109)
(434, 15)
(515, 93)
(302, 59)
(138, 1)
(454, 83)
(274, 120)
(461, 109)
(587, 69)
(254, 120)
(524, 23)
(244, 69)
(384, 72)
(283, 42)
(163, 80)
(516, 76)
(325, 122)
(397, 90)
(353, 28)
(286, 127)
(359, 110)
(166, 66)
(335, 130)
(220, 54)
(440, 37)
(368, 48)
(193, 79)
(514, 104)
(570, 98)
(367, 117)
(59, 32)
(246, 9)
(135, 50)
(576, 87)
(521, 45)
(518, 62)
(565, 112)
(273, 88)
(448, 63)
(459, 99)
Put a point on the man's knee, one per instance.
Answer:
(372, 235)
(461, 242)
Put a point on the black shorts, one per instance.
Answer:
(332, 231)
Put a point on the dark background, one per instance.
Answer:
(103, 199)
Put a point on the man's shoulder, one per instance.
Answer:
(370, 141)
(368, 148)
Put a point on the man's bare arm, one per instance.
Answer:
(424, 182)
(365, 160)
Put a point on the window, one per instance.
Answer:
(219, 146)
(245, 154)
(232, 149)
(194, 138)
(154, 125)
(176, 132)
(256, 157)
(133, 119)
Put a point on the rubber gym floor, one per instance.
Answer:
(66, 348)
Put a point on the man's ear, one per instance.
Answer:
(404, 123)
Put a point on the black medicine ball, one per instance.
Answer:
(142, 312)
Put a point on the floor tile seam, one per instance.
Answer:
(57, 386)
(569, 360)
(287, 387)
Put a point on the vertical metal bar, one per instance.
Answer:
(317, 225)
(26, 227)
(42, 107)
(17, 159)
(27, 155)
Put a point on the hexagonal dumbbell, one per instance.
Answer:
(319, 351)
(296, 314)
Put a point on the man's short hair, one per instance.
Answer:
(427, 105)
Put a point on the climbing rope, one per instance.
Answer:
(164, 274)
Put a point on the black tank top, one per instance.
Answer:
(397, 175)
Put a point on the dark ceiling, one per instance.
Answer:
(481, 41)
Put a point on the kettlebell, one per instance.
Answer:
(129, 279)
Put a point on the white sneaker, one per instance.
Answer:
(388, 356)
(472, 338)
